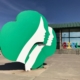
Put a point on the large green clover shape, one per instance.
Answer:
(15, 34)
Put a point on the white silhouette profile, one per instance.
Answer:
(51, 36)
(34, 54)
(38, 36)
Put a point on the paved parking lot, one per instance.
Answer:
(60, 67)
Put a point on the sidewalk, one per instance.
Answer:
(60, 67)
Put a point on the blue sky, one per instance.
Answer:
(55, 11)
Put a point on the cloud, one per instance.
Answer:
(24, 5)
(5, 2)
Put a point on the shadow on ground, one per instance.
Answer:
(12, 66)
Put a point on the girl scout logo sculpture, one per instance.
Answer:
(18, 39)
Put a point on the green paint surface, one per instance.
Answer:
(46, 52)
(15, 34)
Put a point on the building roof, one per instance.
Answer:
(65, 25)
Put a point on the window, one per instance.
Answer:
(65, 40)
(74, 33)
(75, 40)
(71, 35)
(65, 34)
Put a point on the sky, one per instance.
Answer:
(55, 11)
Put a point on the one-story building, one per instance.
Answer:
(68, 35)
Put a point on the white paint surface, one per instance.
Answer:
(40, 31)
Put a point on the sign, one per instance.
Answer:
(18, 39)
(70, 45)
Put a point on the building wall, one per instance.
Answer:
(58, 35)
(71, 35)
